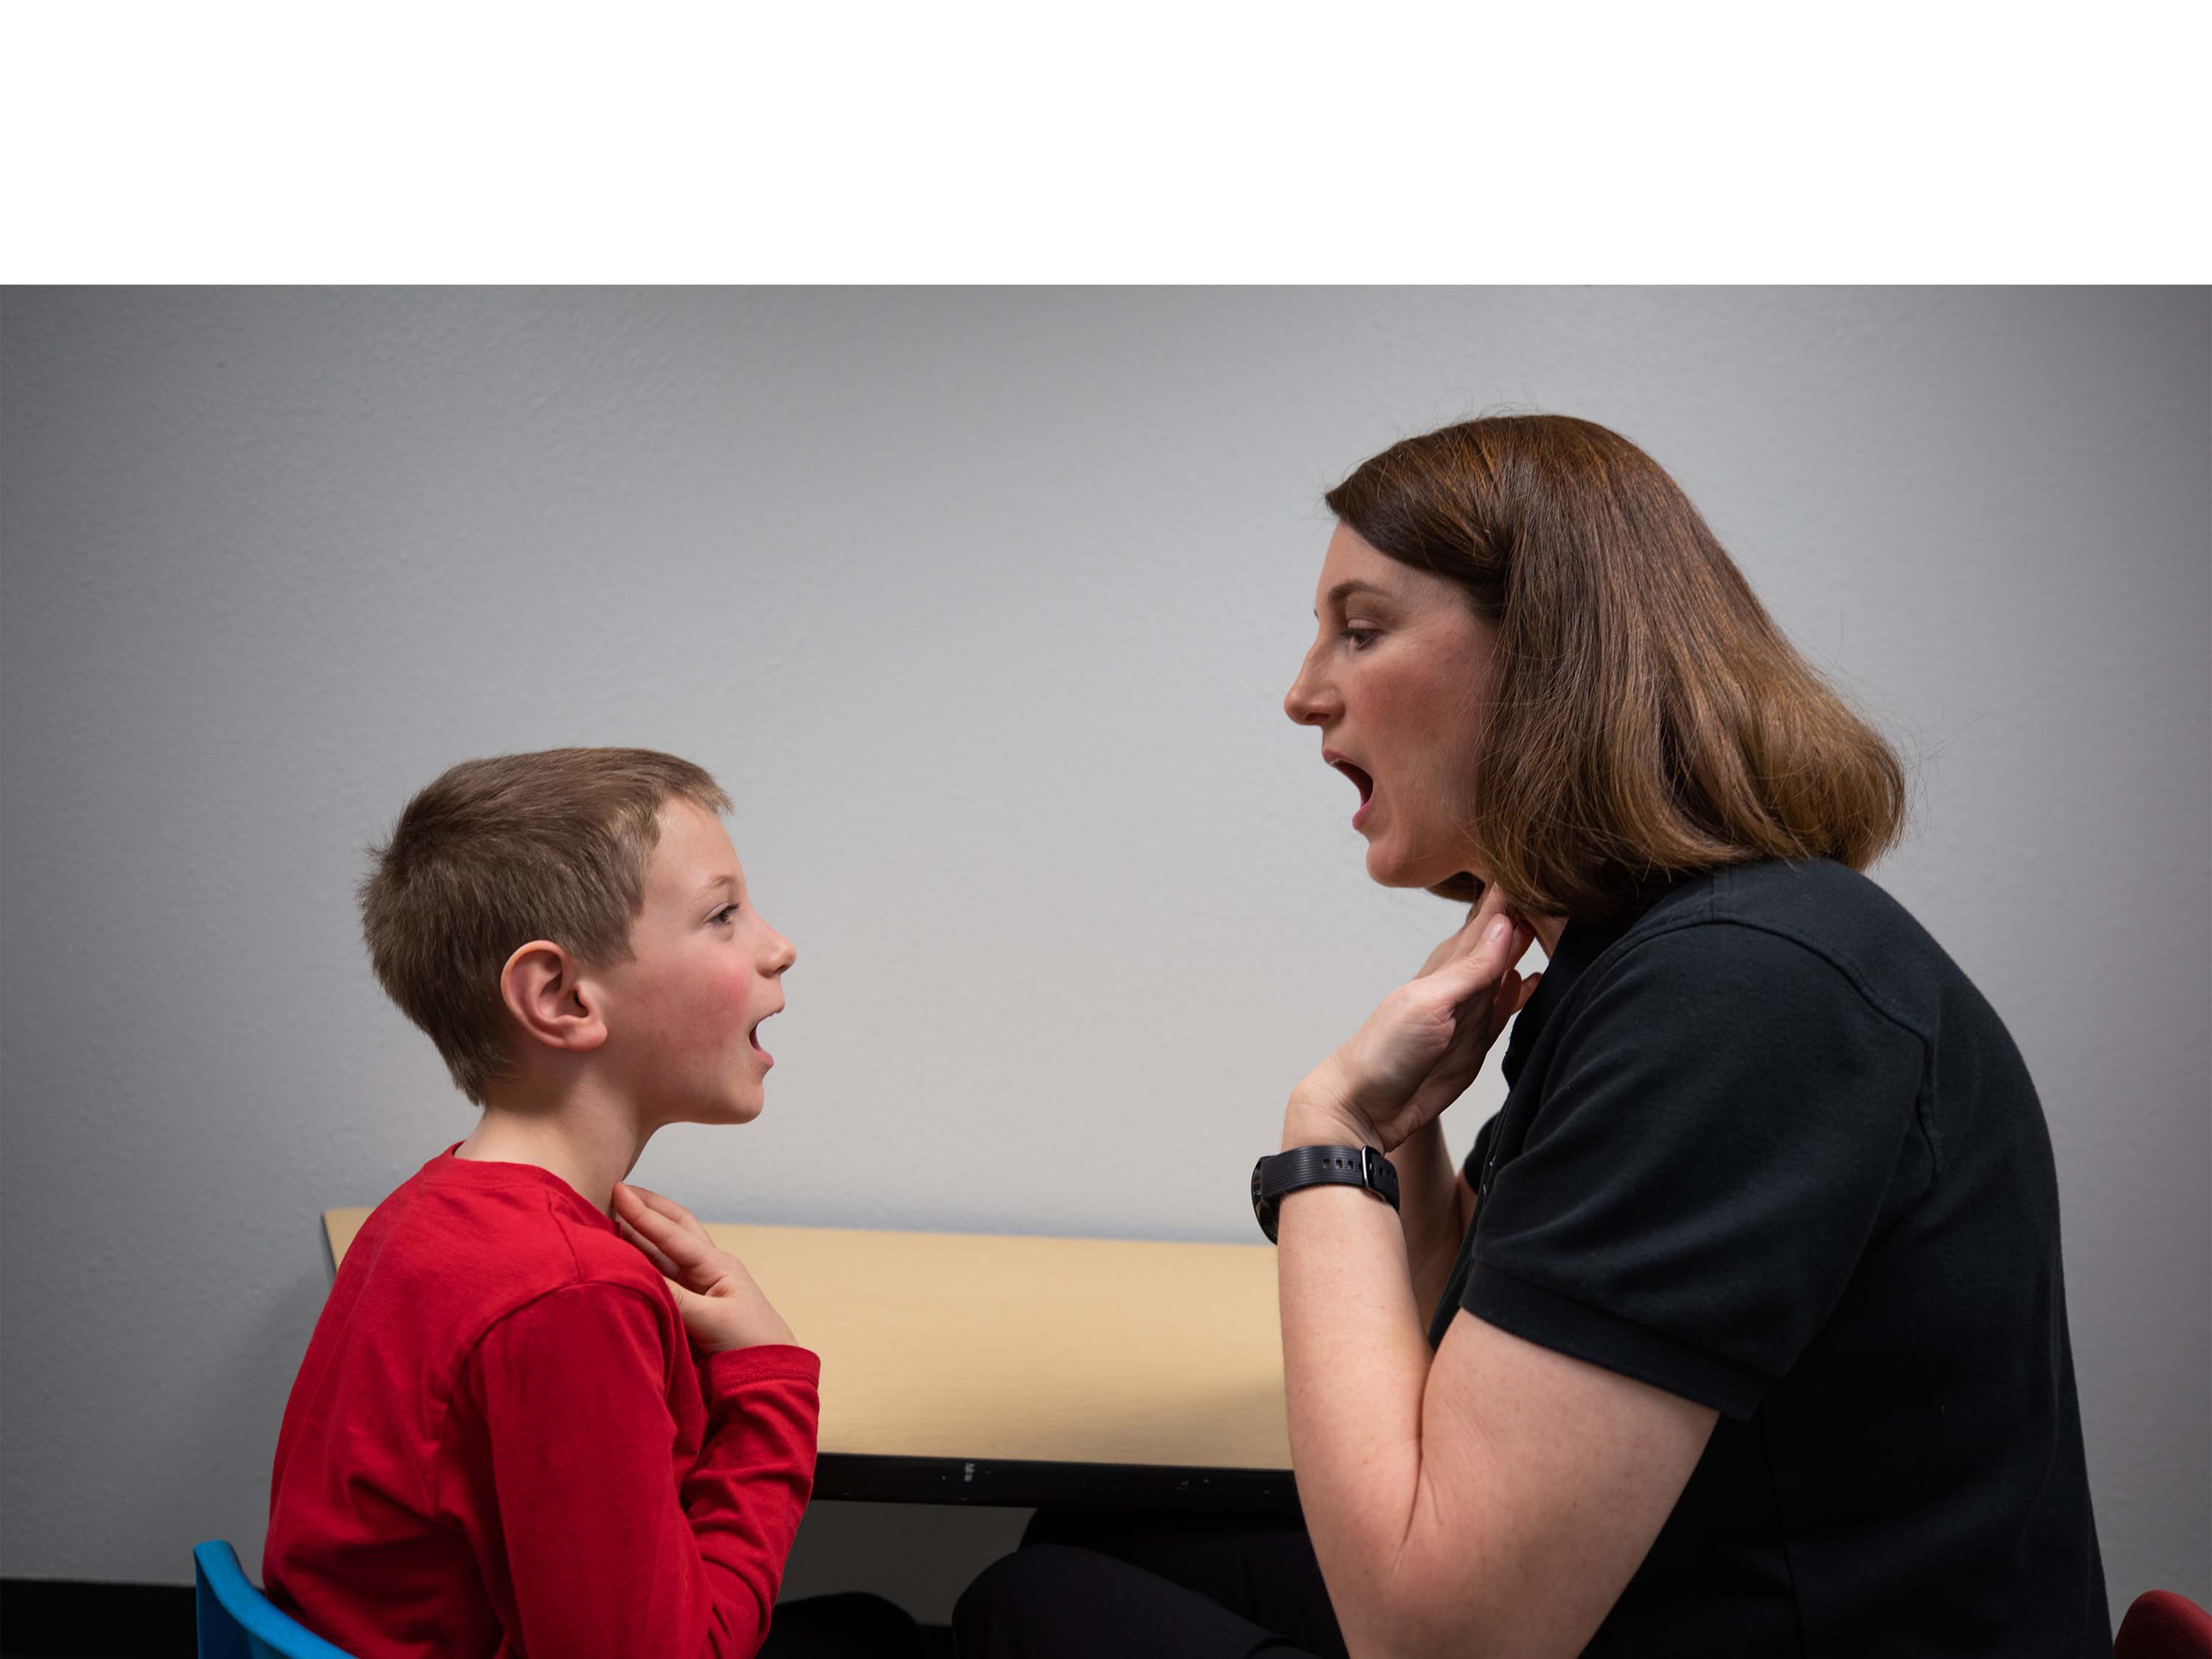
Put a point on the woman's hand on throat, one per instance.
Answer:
(1421, 1047)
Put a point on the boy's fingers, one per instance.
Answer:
(687, 1248)
(677, 1213)
(668, 1208)
(649, 1199)
(650, 1251)
(630, 1199)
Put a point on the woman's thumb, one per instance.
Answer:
(1486, 957)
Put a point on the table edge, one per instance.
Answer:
(1019, 1484)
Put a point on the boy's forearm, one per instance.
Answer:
(610, 1556)
(748, 1489)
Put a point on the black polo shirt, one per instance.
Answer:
(1767, 1148)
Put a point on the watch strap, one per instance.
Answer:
(1275, 1178)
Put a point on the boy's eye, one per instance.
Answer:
(722, 918)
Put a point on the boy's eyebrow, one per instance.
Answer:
(1337, 595)
(713, 882)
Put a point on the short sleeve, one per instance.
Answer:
(1479, 1154)
(1716, 1134)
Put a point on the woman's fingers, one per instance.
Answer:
(1475, 1027)
(1494, 904)
(1482, 964)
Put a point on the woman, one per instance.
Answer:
(1741, 1331)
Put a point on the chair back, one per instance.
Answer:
(2161, 1624)
(237, 1621)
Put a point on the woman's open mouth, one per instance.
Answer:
(1366, 787)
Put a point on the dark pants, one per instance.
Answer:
(847, 1627)
(1145, 1585)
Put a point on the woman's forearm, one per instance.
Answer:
(1355, 1363)
(1429, 1210)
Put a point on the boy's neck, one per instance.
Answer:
(590, 1143)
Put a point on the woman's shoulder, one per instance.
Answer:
(1817, 897)
(1793, 924)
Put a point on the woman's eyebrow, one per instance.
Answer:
(1338, 594)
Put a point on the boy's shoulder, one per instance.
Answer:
(462, 1242)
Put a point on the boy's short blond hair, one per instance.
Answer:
(496, 852)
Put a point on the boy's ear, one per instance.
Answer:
(544, 990)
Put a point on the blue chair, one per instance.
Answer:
(237, 1621)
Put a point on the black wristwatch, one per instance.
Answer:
(1273, 1178)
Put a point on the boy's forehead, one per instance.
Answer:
(694, 853)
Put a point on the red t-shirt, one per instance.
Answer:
(500, 1442)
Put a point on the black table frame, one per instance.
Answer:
(1022, 1485)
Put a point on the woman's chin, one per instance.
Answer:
(1385, 873)
(1386, 867)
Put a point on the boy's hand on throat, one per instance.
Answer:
(722, 1307)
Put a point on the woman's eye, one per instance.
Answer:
(1361, 638)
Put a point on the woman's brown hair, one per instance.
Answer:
(1648, 718)
(493, 853)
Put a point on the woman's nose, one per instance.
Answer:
(1306, 701)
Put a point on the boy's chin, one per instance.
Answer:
(731, 1109)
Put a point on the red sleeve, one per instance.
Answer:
(606, 1556)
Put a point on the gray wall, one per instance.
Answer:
(982, 605)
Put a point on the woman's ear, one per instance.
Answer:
(544, 991)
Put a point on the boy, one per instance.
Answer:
(500, 1440)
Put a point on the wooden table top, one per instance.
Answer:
(988, 1349)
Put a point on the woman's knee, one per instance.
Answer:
(1016, 1600)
